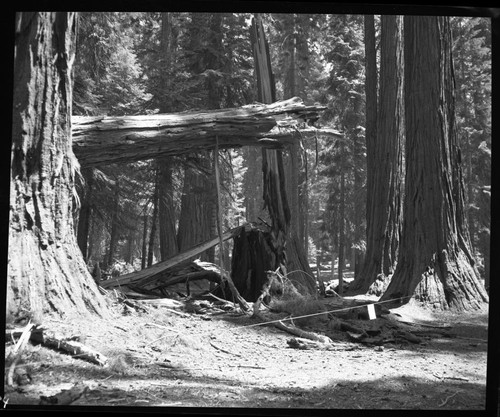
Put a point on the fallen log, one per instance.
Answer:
(264, 293)
(302, 333)
(72, 347)
(151, 274)
(183, 273)
(294, 330)
(306, 344)
(40, 335)
(104, 140)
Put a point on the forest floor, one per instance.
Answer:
(168, 358)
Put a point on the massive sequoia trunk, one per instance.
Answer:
(435, 262)
(384, 151)
(46, 270)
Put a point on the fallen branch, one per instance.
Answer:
(223, 350)
(446, 327)
(302, 333)
(265, 291)
(162, 302)
(456, 378)
(448, 398)
(74, 348)
(178, 313)
(245, 366)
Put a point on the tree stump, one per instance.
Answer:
(253, 255)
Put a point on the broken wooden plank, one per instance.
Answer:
(148, 275)
(104, 140)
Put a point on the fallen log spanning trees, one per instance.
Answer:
(102, 140)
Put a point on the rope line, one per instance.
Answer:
(325, 312)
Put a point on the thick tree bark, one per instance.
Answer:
(434, 263)
(46, 270)
(84, 217)
(384, 152)
(196, 214)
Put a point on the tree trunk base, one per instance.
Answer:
(51, 279)
(451, 285)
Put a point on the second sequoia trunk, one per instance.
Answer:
(435, 262)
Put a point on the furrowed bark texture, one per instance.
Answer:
(197, 202)
(84, 216)
(103, 140)
(434, 264)
(46, 270)
(384, 153)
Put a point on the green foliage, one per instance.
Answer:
(108, 76)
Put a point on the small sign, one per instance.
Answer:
(371, 311)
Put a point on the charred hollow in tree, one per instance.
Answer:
(253, 255)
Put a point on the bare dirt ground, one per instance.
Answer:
(178, 359)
